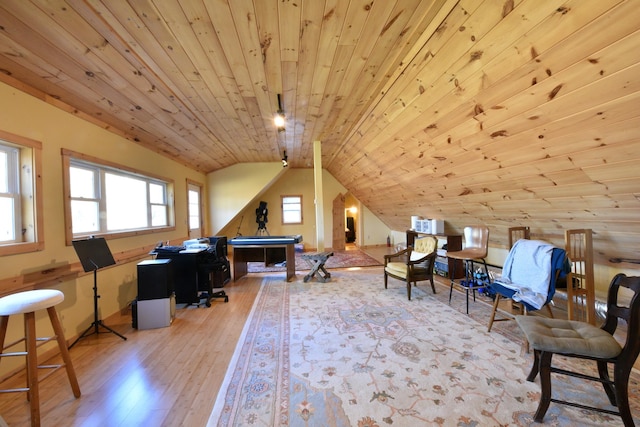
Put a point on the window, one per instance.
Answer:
(292, 209)
(20, 195)
(110, 199)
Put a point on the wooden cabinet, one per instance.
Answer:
(454, 243)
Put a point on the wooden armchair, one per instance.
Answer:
(413, 264)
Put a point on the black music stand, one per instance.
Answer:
(94, 254)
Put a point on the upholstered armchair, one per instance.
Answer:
(413, 264)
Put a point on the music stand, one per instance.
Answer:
(94, 254)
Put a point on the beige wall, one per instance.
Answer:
(232, 189)
(296, 182)
(290, 182)
(27, 116)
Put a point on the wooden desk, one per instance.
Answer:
(266, 249)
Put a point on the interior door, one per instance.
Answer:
(338, 223)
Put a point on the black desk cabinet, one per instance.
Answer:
(195, 273)
(155, 279)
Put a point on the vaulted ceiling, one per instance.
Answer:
(510, 112)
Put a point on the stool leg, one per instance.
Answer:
(4, 322)
(64, 351)
(32, 367)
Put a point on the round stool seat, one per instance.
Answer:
(29, 301)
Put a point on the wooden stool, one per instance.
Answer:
(318, 261)
(28, 303)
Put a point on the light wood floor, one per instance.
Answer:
(157, 377)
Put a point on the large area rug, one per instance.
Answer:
(350, 353)
(340, 259)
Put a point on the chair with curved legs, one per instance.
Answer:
(476, 246)
(413, 264)
(576, 339)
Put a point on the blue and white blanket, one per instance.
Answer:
(527, 270)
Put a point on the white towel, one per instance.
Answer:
(527, 270)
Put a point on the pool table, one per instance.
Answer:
(267, 249)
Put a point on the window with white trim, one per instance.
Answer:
(20, 195)
(10, 221)
(108, 199)
(291, 209)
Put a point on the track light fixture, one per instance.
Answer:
(285, 161)
(279, 119)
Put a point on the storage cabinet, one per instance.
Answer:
(454, 243)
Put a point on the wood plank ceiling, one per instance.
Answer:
(498, 112)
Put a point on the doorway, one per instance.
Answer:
(338, 243)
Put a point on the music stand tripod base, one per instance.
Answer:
(94, 254)
(95, 326)
(96, 322)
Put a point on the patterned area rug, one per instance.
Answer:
(350, 353)
(340, 259)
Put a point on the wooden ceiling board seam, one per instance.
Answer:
(331, 24)
(268, 26)
(143, 62)
(444, 82)
(368, 119)
(390, 22)
(506, 83)
(289, 17)
(246, 28)
(312, 17)
(182, 30)
(150, 38)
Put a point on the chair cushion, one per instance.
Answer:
(464, 254)
(568, 337)
(397, 269)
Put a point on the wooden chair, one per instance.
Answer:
(575, 339)
(476, 247)
(413, 264)
(521, 269)
(517, 233)
(581, 298)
